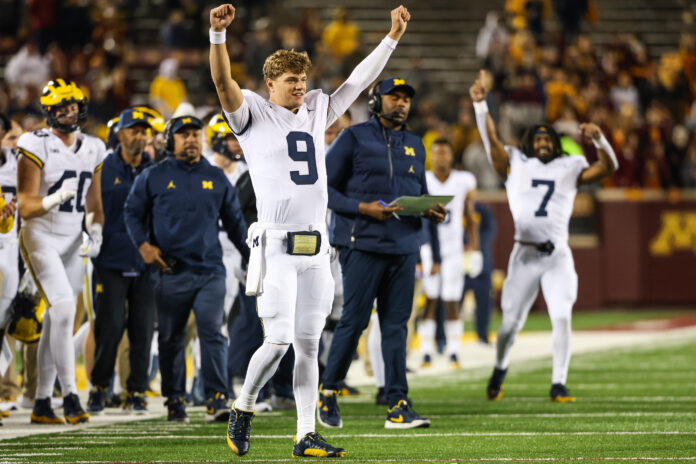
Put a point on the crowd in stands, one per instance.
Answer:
(540, 65)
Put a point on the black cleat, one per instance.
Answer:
(314, 445)
(216, 409)
(42, 413)
(136, 403)
(328, 413)
(494, 390)
(176, 409)
(559, 394)
(72, 410)
(95, 402)
(402, 416)
(238, 430)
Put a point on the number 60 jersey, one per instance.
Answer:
(286, 157)
(70, 168)
(541, 195)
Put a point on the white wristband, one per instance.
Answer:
(217, 38)
(481, 107)
(604, 145)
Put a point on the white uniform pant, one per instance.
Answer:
(297, 291)
(528, 268)
(448, 284)
(54, 264)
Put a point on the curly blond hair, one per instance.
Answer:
(283, 61)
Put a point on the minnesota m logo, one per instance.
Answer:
(678, 232)
(409, 151)
(207, 185)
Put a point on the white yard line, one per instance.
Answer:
(532, 346)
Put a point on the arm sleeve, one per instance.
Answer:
(136, 212)
(365, 73)
(233, 221)
(339, 166)
(481, 124)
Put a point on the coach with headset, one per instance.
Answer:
(368, 166)
(172, 215)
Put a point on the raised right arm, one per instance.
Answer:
(497, 155)
(228, 90)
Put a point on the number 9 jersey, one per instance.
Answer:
(62, 167)
(286, 157)
(541, 195)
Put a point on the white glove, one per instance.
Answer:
(91, 244)
(58, 198)
(473, 263)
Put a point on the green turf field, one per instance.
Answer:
(633, 405)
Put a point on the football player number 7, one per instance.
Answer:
(301, 148)
(550, 186)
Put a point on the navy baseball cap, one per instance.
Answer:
(186, 121)
(131, 117)
(391, 84)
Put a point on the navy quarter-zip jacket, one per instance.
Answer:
(368, 162)
(176, 206)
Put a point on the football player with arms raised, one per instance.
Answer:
(289, 268)
(541, 183)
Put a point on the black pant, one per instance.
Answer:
(122, 303)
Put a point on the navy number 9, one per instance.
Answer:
(301, 148)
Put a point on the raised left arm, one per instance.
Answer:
(369, 69)
(607, 162)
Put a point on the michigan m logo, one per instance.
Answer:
(409, 151)
(399, 82)
(138, 115)
(207, 185)
(255, 242)
(678, 233)
(186, 121)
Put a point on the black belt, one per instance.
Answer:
(546, 247)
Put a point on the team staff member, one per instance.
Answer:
(369, 165)
(124, 297)
(172, 215)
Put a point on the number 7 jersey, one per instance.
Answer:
(286, 157)
(70, 168)
(541, 195)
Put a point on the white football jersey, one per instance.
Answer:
(286, 157)
(541, 196)
(451, 231)
(8, 185)
(225, 242)
(62, 167)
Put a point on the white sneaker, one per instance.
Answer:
(26, 403)
(262, 406)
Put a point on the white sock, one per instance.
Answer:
(46, 367)
(426, 336)
(374, 348)
(560, 347)
(453, 335)
(262, 366)
(117, 389)
(304, 383)
(62, 349)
